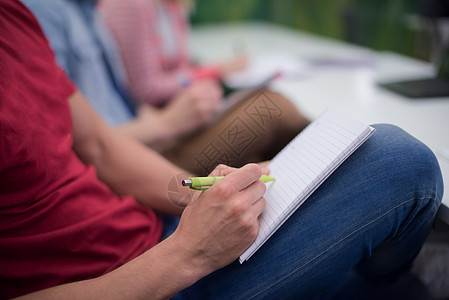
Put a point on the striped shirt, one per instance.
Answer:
(153, 40)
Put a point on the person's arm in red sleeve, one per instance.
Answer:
(200, 245)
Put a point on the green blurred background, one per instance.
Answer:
(378, 24)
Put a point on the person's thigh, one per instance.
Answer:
(386, 193)
(253, 131)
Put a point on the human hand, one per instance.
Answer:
(223, 170)
(223, 222)
(193, 106)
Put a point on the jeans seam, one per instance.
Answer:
(267, 287)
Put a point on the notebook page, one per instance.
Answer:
(303, 165)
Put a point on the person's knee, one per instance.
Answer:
(408, 160)
(405, 150)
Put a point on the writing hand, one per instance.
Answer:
(223, 222)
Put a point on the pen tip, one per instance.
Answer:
(186, 182)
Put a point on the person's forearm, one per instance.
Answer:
(125, 165)
(128, 167)
(158, 273)
(186, 112)
(149, 131)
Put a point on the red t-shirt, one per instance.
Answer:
(58, 222)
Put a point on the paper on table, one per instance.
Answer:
(261, 67)
(303, 165)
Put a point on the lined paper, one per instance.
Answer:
(303, 165)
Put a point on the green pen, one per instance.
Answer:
(201, 183)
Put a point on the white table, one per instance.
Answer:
(352, 90)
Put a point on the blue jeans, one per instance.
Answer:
(370, 217)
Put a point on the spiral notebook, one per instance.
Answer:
(306, 162)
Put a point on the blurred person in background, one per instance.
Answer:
(87, 52)
(153, 41)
